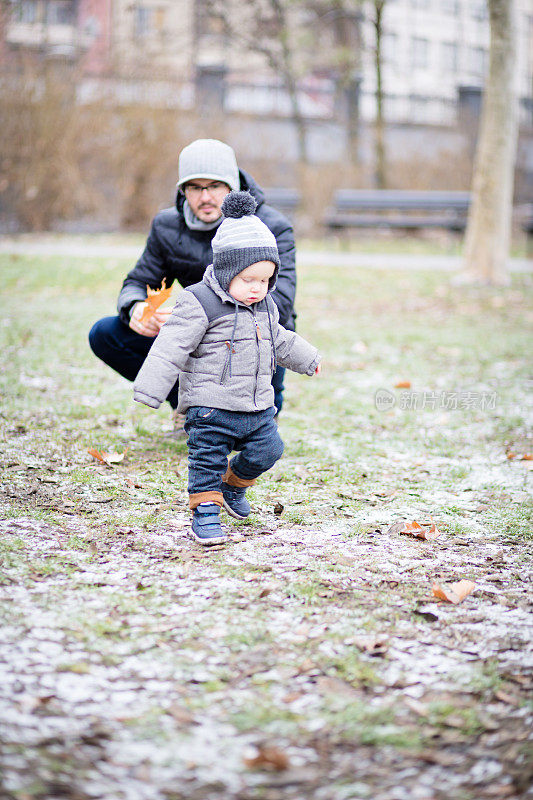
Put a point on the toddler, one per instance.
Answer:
(224, 341)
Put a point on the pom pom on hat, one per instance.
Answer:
(238, 204)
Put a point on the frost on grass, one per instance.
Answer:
(309, 657)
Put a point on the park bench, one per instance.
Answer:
(285, 200)
(398, 209)
(527, 226)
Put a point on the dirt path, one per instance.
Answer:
(74, 248)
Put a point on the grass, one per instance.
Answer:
(353, 669)
(515, 522)
(466, 720)
(239, 631)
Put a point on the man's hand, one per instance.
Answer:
(150, 327)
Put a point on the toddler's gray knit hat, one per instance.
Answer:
(208, 158)
(241, 240)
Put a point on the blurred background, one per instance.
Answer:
(98, 96)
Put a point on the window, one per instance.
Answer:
(60, 12)
(450, 58)
(420, 53)
(478, 61)
(26, 11)
(160, 20)
(479, 9)
(143, 21)
(451, 7)
(389, 47)
(209, 21)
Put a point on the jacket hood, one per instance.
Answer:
(247, 184)
(211, 280)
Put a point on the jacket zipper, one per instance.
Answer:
(258, 339)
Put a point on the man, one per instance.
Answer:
(179, 248)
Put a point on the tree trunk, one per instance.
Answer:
(380, 169)
(347, 32)
(299, 123)
(489, 221)
(289, 78)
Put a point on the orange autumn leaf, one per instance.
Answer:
(402, 385)
(453, 592)
(433, 531)
(154, 299)
(527, 457)
(95, 454)
(415, 529)
(107, 458)
(269, 758)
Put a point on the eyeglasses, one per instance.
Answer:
(196, 190)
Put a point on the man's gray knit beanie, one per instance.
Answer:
(241, 240)
(210, 159)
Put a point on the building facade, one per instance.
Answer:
(434, 54)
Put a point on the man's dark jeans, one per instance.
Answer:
(124, 351)
(215, 432)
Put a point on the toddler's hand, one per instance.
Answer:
(318, 370)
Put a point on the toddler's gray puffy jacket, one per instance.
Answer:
(223, 351)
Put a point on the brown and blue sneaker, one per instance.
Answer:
(206, 525)
(235, 502)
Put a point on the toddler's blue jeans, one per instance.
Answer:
(213, 434)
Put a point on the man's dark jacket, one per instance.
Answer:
(175, 252)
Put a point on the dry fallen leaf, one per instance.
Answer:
(154, 299)
(327, 684)
(402, 385)
(270, 758)
(291, 697)
(181, 524)
(343, 560)
(420, 709)
(415, 529)
(133, 484)
(505, 697)
(96, 454)
(373, 645)
(453, 592)
(107, 458)
(32, 704)
(433, 531)
(115, 458)
(181, 714)
(252, 576)
(396, 527)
